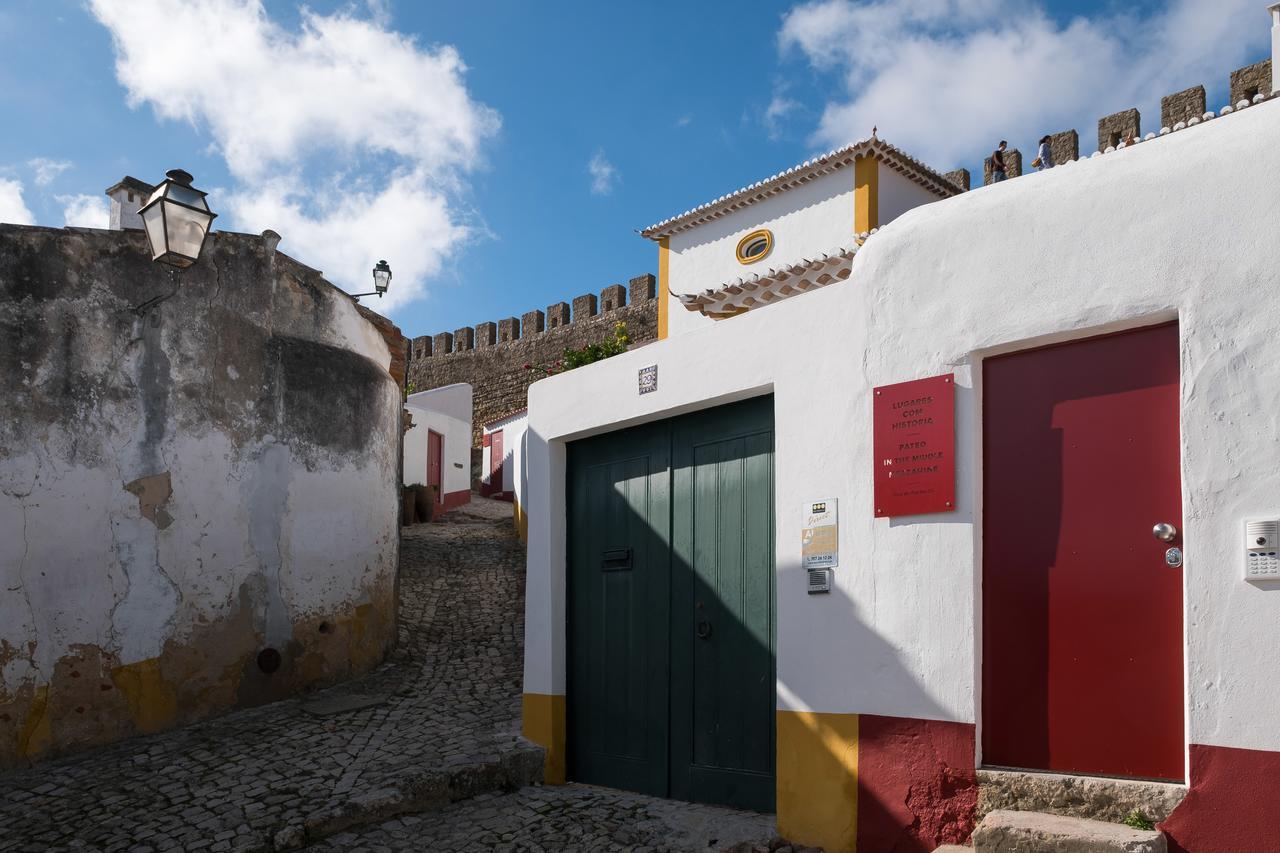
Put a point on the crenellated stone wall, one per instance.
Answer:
(1248, 85)
(495, 364)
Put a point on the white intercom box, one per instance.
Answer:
(1262, 550)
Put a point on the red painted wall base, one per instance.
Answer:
(1233, 805)
(453, 500)
(917, 787)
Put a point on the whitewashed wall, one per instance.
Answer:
(1182, 226)
(447, 410)
(898, 194)
(814, 217)
(512, 429)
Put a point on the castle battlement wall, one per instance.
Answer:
(492, 355)
(1247, 86)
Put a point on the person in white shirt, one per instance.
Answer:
(1044, 156)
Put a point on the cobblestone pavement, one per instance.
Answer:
(561, 818)
(443, 725)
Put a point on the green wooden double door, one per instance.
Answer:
(671, 608)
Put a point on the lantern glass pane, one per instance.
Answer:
(381, 280)
(186, 229)
(186, 195)
(153, 221)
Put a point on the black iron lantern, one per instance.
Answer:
(381, 281)
(381, 277)
(176, 219)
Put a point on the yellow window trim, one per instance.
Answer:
(751, 238)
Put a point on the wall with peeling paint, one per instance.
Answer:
(197, 484)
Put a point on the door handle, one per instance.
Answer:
(704, 630)
(1164, 531)
(619, 559)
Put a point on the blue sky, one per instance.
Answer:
(501, 154)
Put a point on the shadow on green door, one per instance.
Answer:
(671, 608)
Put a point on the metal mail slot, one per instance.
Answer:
(616, 560)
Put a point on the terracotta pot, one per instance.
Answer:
(408, 503)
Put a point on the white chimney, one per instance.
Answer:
(1275, 46)
(126, 198)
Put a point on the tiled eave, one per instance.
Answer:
(746, 294)
(892, 157)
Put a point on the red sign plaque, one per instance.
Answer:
(914, 439)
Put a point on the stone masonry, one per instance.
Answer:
(1250, 81)
(959, 177)
(1117, 127)
(1064, 146)
(1182, 106)
(495, 367)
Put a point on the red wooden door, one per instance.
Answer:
(1082, 618)
(496, 469)
(435, 461)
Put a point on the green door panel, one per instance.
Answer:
(671, 656)
(619, 499)
(722, 582)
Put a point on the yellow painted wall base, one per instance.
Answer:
(818, 779)
(522, 520)
(543, 716)
(152, 701)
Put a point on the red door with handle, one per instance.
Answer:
(435, 461)
(1082, 668)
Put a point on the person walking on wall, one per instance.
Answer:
(1044, 156)
(997, 162)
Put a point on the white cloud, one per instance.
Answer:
(350, 229)
(85, 211)
(684, 121)
(946, 79)
(315, 123)
(603, 174)
(47, 170)
(12, 208)
(780, 106)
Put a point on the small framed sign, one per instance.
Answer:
(649, 379)
(820, 535)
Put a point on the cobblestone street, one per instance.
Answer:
(441, 723)
(438, 722)
(561, 818)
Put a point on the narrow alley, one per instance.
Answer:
(437, 723)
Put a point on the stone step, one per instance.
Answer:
(513, 769)
(953, 848)
(1035, 832)
(1093, 797)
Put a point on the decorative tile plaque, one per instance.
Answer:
(649, 379)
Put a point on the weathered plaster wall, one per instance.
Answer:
(197, 485)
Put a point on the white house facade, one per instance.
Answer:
(437, 449)
(1107, 332)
